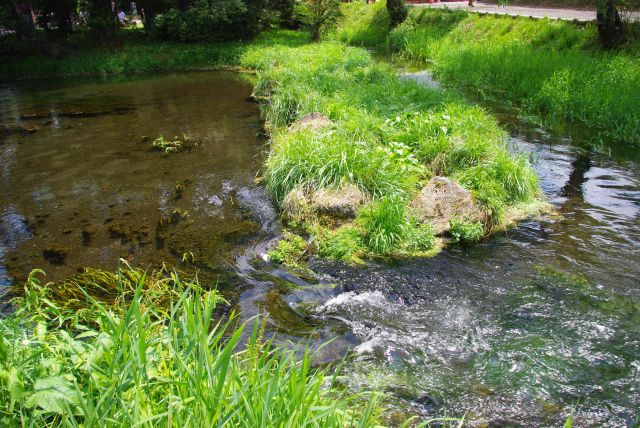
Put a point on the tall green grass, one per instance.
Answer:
(388, 137)
(363, 26)
(139, 54)
(143, 365)
(551, 68)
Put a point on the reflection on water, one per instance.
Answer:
(474, 330)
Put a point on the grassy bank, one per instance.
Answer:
(387, 138)
(142, 363)
(552, 69)
(139, 54)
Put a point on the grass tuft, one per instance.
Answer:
(137, 367)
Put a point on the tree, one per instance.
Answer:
(102, 20)
(319, 16)
(397, 11)
(610, 26)
(56, 13)
(18, 16)
(156, 7)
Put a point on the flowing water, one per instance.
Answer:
(481, 330)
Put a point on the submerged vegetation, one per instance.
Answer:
(177, 144)
(554, 69)
(146, 363)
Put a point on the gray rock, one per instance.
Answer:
(342, 202)
(441, 200)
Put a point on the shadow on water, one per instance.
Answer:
(476, 330)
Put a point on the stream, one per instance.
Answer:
(519, 330)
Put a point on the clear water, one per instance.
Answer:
(476, 331)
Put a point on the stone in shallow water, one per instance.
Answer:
(343, 202)
(441, 200)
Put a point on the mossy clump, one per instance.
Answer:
(345, 243)
(466, 231)
(177, 144)
(290, 251)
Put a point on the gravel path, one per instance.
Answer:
(535, 12)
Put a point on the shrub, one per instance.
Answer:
(466, 231)
(222, 20)
(318, 16)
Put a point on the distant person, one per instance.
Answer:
(471, 3)
(122, 18)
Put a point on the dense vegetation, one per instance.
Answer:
(155, 358)
(388, 138)
(139, 54)
(551, 68)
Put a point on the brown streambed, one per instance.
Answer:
(84, 189)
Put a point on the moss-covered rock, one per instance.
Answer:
(443, 200)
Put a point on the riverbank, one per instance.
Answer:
(138, 54)
(553, 70)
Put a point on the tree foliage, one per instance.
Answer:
(318, 15)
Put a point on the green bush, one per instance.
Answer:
(222, 20)
(466, 231)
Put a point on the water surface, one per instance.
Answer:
(86, 188)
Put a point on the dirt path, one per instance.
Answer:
(534, 12)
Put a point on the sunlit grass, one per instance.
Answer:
(388, 137)
(143, 364)
(551, 68)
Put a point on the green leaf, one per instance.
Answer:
(13, 382)
(3, 352)
(55, 394)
